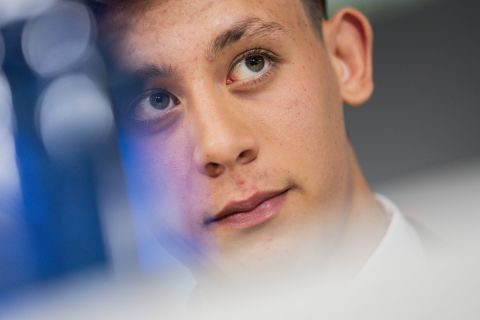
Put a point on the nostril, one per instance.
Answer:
(243, 154)
(213, 165)
(246, 156)
(213, 169)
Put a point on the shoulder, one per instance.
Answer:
(399, 254)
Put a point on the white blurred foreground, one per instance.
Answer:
(446, 202)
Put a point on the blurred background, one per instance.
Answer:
(64, 213)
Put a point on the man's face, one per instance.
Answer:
(240, 123)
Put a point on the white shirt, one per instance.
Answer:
(393, 274)
(400, 248)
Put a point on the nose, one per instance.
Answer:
(224, 140)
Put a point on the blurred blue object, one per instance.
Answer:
(51, 225)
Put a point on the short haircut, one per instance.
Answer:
(317, 5)
(316, 10)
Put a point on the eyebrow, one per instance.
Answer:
(250, 26)
(153, 71)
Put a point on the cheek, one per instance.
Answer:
(156, 161)
(162, 172)
(305, 110)
(306, 126)
(306, 101)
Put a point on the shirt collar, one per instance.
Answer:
(400, 249)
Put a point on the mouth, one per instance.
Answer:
(250, 212)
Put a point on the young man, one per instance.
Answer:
(232, 113)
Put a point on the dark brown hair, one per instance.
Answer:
(315, 9)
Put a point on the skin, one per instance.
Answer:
(228, 136)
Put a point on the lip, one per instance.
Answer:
(258, 208)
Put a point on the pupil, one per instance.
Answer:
(255, 63)
(160, 100)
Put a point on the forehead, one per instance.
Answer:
(158, 28)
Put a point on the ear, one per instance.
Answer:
(348, 38)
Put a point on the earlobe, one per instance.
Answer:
(349, 37)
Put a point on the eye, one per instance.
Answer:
(251, 66)
(160, 100)
(153, 105)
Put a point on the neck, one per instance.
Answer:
(366, 224)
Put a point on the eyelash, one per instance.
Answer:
(272, 58)
(151, 124)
